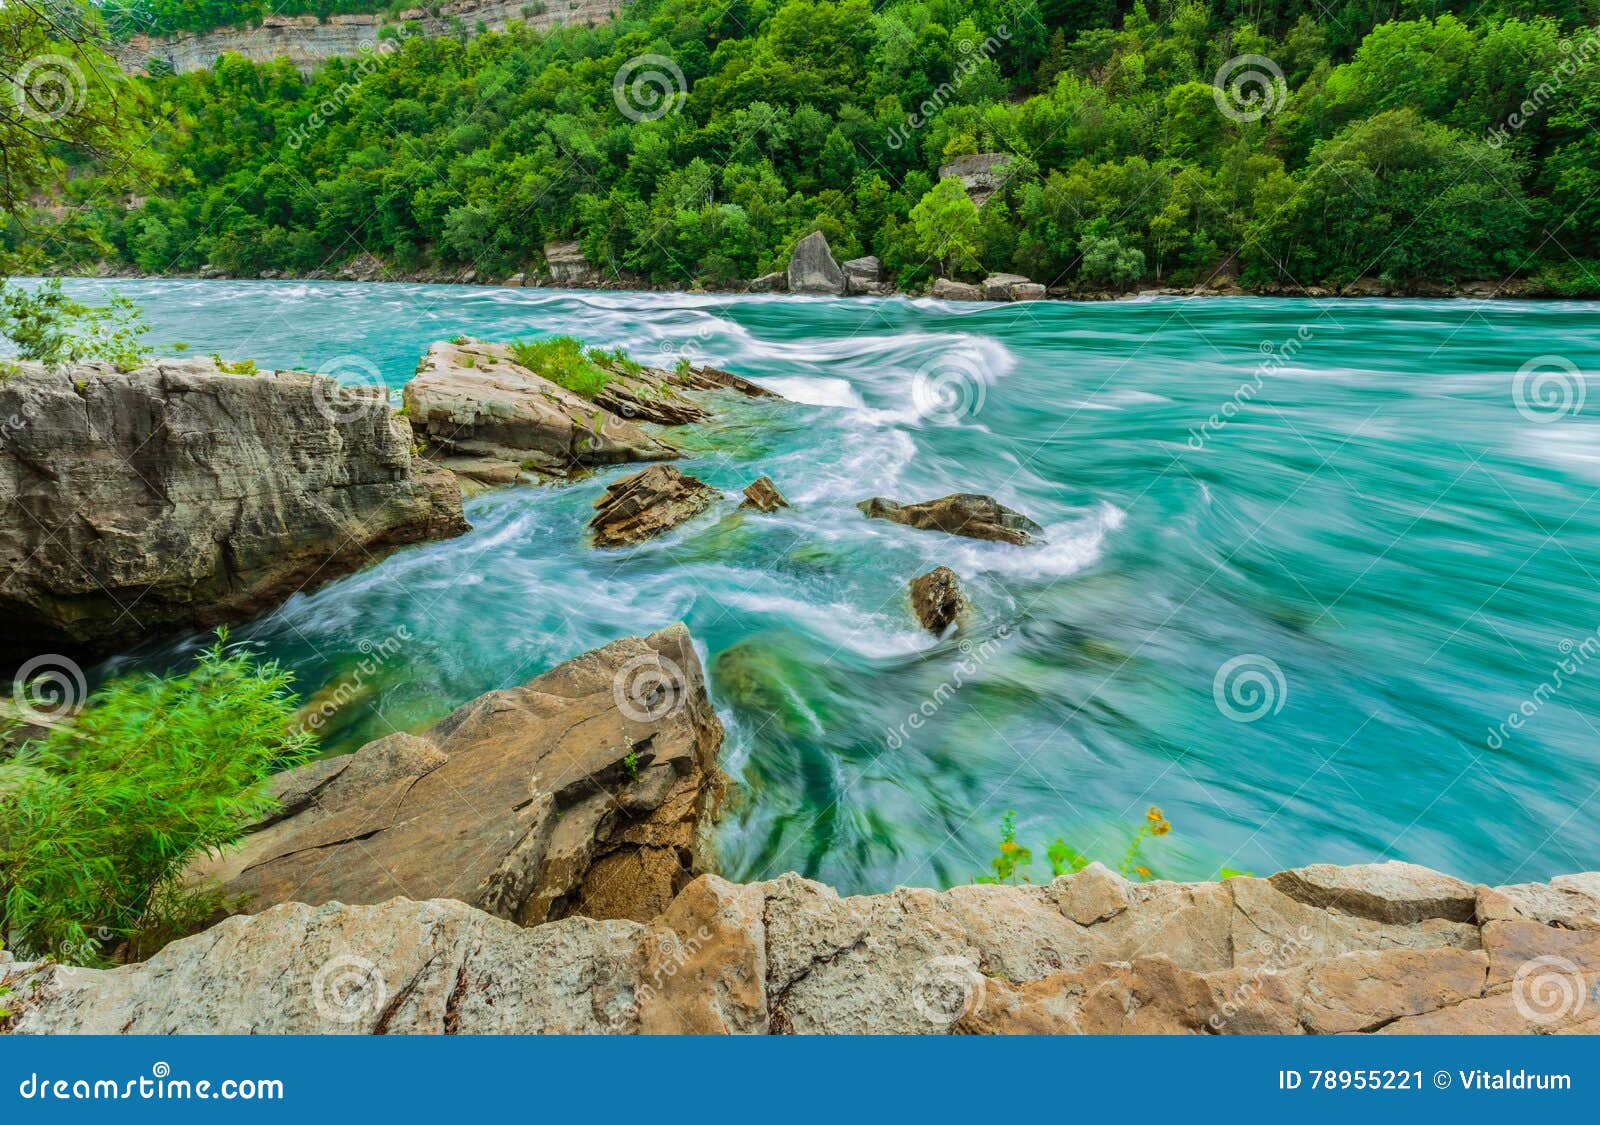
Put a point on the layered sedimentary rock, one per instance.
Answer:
(307, 41)
(587, 790)
(647, 503)
(1088, 953)
(982, 174)
(762, 495)
(960, 513)
(473, 402)
(181, 496)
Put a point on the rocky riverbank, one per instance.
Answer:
(1385, 948)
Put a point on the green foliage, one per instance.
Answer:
(800, 115)
(99, 818)
(235, 367)
(562, 360)
(1012, 862)
(48, 326)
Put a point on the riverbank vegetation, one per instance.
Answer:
(101, 815)
(1402, 142)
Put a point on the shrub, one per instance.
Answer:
(561, 359)
(48, 326)
(1012, 863)
(99, 818)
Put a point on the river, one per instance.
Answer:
(1304, 562)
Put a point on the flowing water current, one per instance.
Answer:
(1318, 579)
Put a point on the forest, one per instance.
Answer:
(1170, 142)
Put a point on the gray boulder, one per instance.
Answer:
(770, 283)
(181, 496)
(946, 290)
(999, 286)
(812, 268)
(864, 277)
(961, 513)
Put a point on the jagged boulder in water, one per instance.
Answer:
(812, 268)
(961, 513)
(643, 505)
(180, 495)
(762, 495)
(937, 599)
(589, 790)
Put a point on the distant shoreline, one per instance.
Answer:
(1362, 290)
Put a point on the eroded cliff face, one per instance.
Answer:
(306, 41)
(1388, 948)
(181, 496)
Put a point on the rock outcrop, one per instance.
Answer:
(982, 174)
(307, 41)
(812, 268)
(1088, 953)
(864, 277)
(961, 513)
(1004, 287)
(647, 503)
(589, 790)
(568, 267)
(483, 412)
(762, 495)
(181, 496)
(937, 599)
(770, 283)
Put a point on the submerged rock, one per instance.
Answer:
(762, 495)
(812, 268)
(937, 599)
(181, 496)
(473, 400)
(588, 790)
(961, 513)
(1088, 953)
(647, 503)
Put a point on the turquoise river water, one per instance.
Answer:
(1304, 562)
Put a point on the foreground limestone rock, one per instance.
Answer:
(812, 268)
(473, 402)
(961, 513)
(1089, 953)
(643, 505)
(181, 496)
(762, 495)
(937, 600)
(586, 791)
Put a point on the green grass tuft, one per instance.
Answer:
(562, 360)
